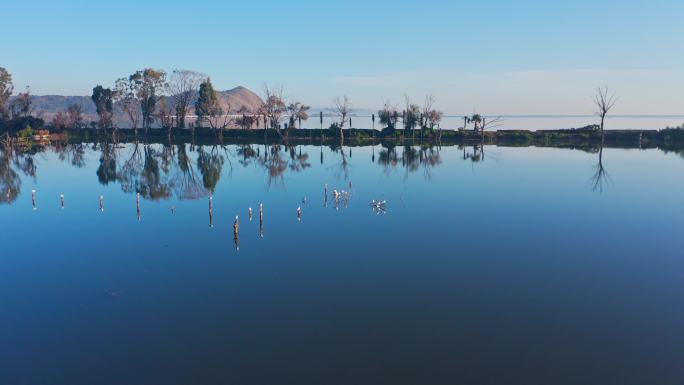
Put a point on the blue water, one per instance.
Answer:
(512, 268)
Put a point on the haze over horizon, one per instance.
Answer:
(493, 57)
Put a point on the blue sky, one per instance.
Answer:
(494, 57)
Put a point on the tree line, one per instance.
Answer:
(154, 98)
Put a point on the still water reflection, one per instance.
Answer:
(298, 264)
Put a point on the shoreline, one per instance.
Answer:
(582, 137)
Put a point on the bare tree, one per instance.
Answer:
(604, 103)
(388, 115)
(6, 89)
(434, 117)
(127, 100)
(342, 108)
(411, 114)
(74, 116)
(274, 106)
(21, 105)
(489, 123)
(427, 110)
(165, 113)
(183, 86)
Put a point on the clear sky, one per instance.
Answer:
(492, 57)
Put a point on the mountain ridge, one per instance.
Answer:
(47, 106)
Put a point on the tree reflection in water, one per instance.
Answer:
(188, 171)
(600, 179)
(10, 182)
(412, 159)
(187, 183)
(210, 164)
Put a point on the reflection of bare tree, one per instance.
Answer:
(476, 156)
(72, 152)
(412, 159)
(601, 178)
(246, 154)
(429, 158)
(342, 167)
(187, 184)
(131, 169)
(299, 161)
(274, 164)
(388, 158)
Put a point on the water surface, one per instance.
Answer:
(508, 265)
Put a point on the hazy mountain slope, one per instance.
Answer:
(240, 97)
(46, 106)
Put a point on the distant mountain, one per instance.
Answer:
(47, 106)
(234, 100)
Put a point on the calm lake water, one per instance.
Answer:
(515, 266)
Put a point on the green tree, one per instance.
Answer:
(476, 119)
(148, 84)
(298, 112)
(411, 114)
(207, 107)
(210, 165)
(388, 116)
(104, 105)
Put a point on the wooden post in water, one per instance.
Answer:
(261, 220)
(33, 199)
(137, 206)
(211, 211)
(236, 233)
